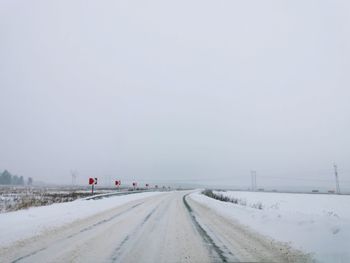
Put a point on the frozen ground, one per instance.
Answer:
(315, 223)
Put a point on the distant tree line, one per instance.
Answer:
(6, 178)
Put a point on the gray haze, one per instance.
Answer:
(179, 91)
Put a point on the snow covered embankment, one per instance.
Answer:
(18, 225)
(314, 223)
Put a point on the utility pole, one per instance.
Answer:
(74, 177)
(336, 178)
(253, 175)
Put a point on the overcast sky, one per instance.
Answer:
(197, 90)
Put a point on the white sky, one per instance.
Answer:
(175, 90)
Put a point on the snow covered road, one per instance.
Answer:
(169, 227)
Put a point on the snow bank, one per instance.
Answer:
(22, 224)
(315, 223)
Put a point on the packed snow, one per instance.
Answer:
(314, 223)
(18, 225)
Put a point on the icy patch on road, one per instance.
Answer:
(18, 225)
(319, 224)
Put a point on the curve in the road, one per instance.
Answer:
(169, 227)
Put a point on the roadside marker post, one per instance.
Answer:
(92, 182)
(134, 184)
(118, 183)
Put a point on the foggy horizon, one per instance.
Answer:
(197, 91)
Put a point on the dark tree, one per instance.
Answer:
(30, 181)
(5, 177)
(21, 180)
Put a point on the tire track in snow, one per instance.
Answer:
(105, 220)
(219, 253)
(118, 250)
(91, 227)
(29, 255)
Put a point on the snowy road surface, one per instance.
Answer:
(168, 227)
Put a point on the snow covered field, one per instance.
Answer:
(22, 224)
(14, 198)
(315, 223)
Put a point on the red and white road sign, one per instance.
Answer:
(92, 180)
(118, 182)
